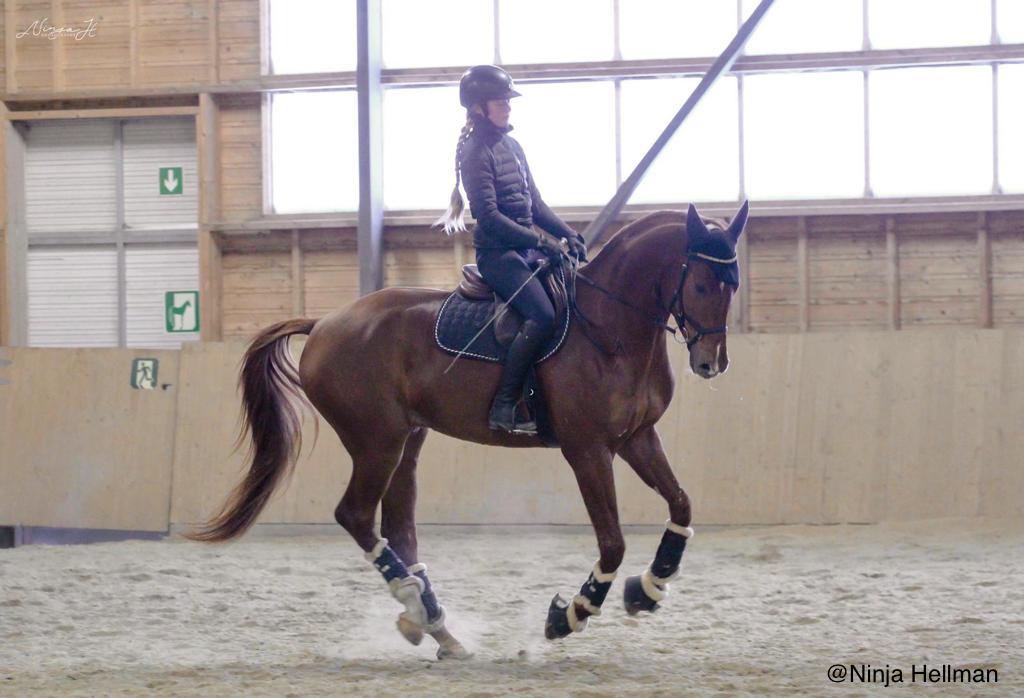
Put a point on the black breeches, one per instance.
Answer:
(505, 271)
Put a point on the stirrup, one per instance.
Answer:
(527, 428)
(512, 426)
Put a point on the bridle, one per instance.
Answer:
(681, 318)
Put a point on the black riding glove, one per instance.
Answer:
(552, 247)
(578, 248)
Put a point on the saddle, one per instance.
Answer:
(506, 327)
(466, 311)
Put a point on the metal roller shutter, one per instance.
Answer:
(70, 176)
(150, 145)
(72, 297)
(150, 272)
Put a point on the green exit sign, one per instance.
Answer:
(171, 181)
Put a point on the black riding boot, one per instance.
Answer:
(521, 355)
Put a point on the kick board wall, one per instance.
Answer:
(81, 447)
(804, 428)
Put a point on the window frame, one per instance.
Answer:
(864, 61)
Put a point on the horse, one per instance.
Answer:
(375, 374)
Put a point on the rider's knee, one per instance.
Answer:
(544, 321)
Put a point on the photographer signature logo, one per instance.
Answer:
(42, 27)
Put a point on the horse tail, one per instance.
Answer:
(269, 383)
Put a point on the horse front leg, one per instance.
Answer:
(644, 453)
(593, 470)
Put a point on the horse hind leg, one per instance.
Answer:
(375, 457)
(378, 458)
(398, 526)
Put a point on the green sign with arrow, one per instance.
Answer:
(171, 181)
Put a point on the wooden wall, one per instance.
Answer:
(81, 448)
(240, 158)
(137, 46)
(804, 428)
(824, 427)
(277, 275)
(820, 273)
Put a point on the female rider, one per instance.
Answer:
(504, 200)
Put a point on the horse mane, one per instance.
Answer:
(640, 226)
(649, 222)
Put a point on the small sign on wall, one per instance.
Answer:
(144, 373)
(181, 310)
(171, 181)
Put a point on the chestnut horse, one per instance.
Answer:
(375, 374)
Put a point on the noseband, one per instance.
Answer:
(682, 318)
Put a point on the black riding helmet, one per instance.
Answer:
(483, 82)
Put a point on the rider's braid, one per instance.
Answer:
(452, 220)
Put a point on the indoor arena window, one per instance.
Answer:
(923, 143)
(922, 23)
(804, 135)
(420, 34)
(1010, 16)
(568, 132)
(674, 29)
(838, 25)
(701, 162)
(1011, 135)
(315, 152)
(312, 36)
(535, 31)
(421, 128)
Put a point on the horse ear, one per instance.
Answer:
(739, 221)
(694, 224)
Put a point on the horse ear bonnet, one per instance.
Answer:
(718, 249)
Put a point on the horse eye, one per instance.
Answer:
(701, 288)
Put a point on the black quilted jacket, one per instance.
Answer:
(502, 194)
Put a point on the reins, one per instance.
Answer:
(681, 318)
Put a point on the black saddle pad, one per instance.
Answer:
(460, 319)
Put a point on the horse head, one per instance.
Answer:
(708, 281)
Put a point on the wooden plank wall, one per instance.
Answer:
(938, 267)
(1007, 268)
(827, 427)
(238, 40)
(944, 269)
(823, 273)
(847, 273)
(241, 158)
(136, 45)
(275, 276)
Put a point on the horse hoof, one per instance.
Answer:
(410, 631)
(453, 650)
(557, 624)
(636, 599)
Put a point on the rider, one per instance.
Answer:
(504, 200)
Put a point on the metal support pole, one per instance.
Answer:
(596, 230)
(122, 266)
(371, 183)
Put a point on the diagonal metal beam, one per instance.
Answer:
(597, 229)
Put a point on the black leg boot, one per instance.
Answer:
(521, 354)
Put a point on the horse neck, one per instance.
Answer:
(633, 268)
